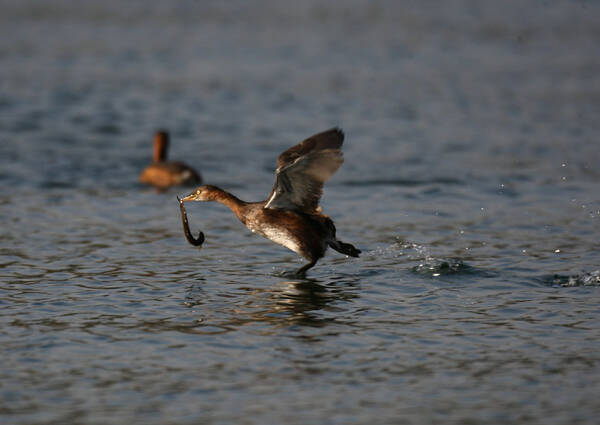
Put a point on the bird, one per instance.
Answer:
(162, 173)
(291, 215)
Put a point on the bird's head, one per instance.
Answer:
(203, 193)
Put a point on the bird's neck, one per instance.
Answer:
(223, 197)
(161, 147)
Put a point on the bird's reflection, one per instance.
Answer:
(299, 302)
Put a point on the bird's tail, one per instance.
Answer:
(344, 248)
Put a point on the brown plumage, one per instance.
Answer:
(291, 215)
(163, 173)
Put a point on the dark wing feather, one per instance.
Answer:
(302, 170)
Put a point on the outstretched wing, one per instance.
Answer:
(303, 169)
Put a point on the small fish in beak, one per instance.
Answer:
(186, 226)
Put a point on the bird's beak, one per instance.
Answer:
(190, 197)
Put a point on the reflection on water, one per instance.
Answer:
(302, 302)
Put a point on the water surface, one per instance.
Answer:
(470, 184)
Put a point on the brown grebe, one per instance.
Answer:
(162, 173)
(291, 215)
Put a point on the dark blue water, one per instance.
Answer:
(471, 184)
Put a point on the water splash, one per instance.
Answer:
(584, 279)
(427, 264)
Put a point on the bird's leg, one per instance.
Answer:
(302, 270)
(186, 227)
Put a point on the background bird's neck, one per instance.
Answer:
(161, 146)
